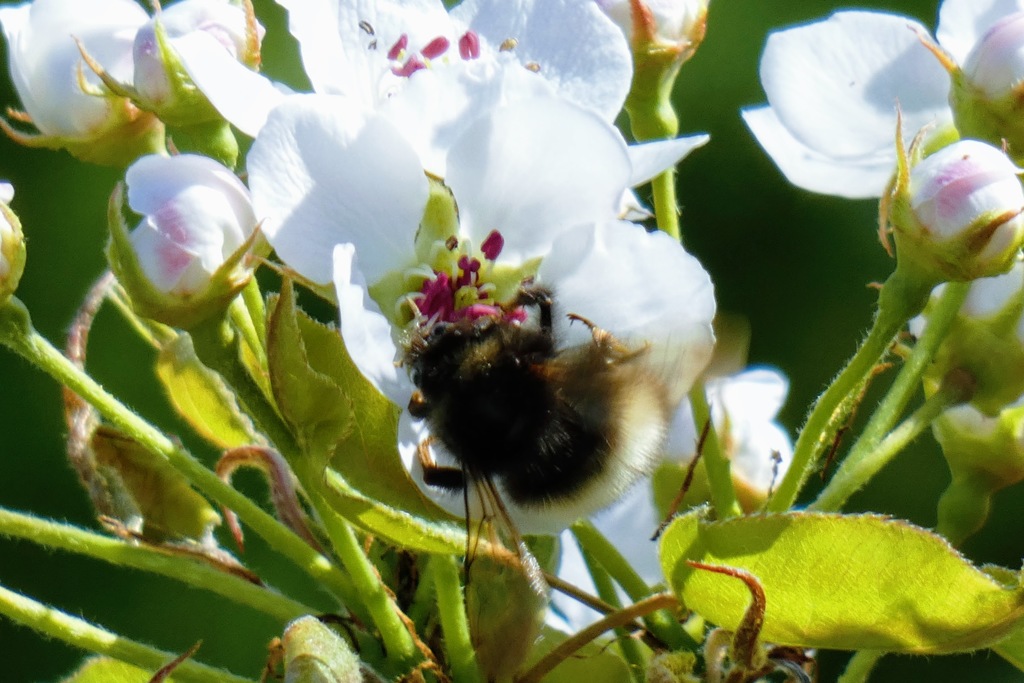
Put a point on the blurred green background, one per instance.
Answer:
(796, 265)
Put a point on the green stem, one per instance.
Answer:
(666, 207)
(864, 463)
(253, 299)
(217, 346)
(866, 456)
(860, 666)
(16, 333)
(606, 591)
(717, 465)
(662, 624)
(79, 633)
(901, 298)
(187, 570)
(373, 594)
(451, 608)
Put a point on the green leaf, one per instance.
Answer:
(594, 663)
(304, 358)
(845, 582)
(105, 670)
(1011, 648)
(201, 397)
(169, 506)
(318, 385)
(393, 524)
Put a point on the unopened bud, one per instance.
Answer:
(675, 24)
(186, 259)
(987, 89)
(63, 98)
(12, 245)
(958, 215)
(161, 83)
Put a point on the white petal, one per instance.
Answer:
(851, 177)
(341, 57)
(323, 175)
(241, 95)
(963, 22)
(592, 67)
(438, 105)
(6, 192)
(651, 158)
(836, 84)
(367, 333)
(532, 169)
(643, 288)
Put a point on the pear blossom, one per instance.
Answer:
(834, 88)
(196, 214)
(744, 407)
(369, 53)
(531, 194)
(62, 97)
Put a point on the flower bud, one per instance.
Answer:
(987, 89)
(958, 214)
(161, 83)
(985, 454)
(186, 259)
(12, 245)
(62, 97)
(986, 340)
(674, 24)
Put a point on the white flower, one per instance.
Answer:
(371, 53)
(196, 214)
(744, 407)
(834, 86)
(537, 187)
(45, 62)
(218, 22)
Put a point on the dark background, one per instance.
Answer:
(796, 265)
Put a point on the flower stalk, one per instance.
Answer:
(17, 333)
(80, 633)
(452, 612)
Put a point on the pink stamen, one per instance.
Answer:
(469, 46)
(435, 48)
(411, 66)
(492, 246)
(399, 47)
(476, 311)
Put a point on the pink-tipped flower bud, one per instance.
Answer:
(185, 260)
(12, 244)
(62, 97)
(160, 81)
(987, 89)
(958, 215)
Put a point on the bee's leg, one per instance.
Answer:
(448, 478)
(418, 406)
(606, 340)
(541, 298)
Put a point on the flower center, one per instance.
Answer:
(460, 285)
(406, 63)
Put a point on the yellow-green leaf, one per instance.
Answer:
(1011, 648)
(393, 524)
(303, 357)
(169, 506)
(105, 670)
(201, 397)
(845, 582)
